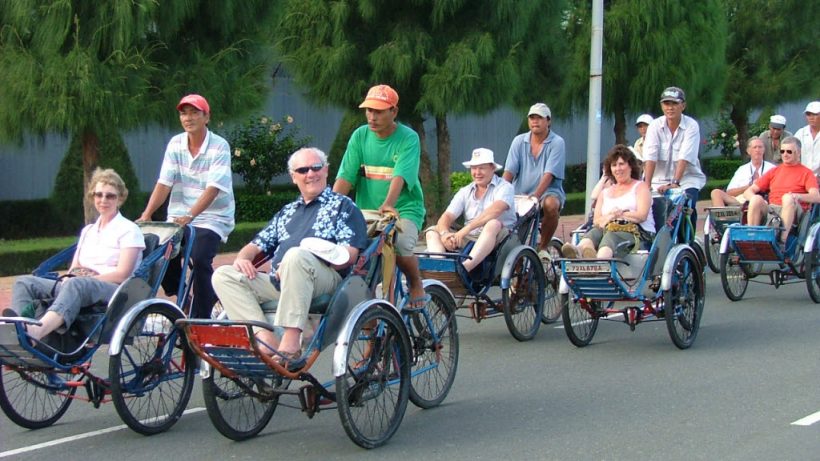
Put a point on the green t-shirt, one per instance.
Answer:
(379, 160)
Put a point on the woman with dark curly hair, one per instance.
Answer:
(623, 212)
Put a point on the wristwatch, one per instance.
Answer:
(676, 182)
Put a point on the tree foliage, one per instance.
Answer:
(772, 56)
(83, 67)
(442, 56)
(649, 45)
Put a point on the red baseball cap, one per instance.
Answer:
(195, 100)
(380, 97)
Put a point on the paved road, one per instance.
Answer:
(735, 395)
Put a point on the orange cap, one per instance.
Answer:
(380, 97)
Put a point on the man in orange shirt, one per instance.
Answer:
(791, 187)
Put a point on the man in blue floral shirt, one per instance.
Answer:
(297, 275)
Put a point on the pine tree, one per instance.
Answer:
(85, 67)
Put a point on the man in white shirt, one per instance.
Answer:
(809, 139)
(745, 176)
(670, 152)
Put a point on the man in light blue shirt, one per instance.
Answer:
(535, 166)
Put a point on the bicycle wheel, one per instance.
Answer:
(372, 394)
(434, 360)
(683, 302)
(579, 324)
(552, 302)
(711, 242)
(523, 300)
(733, 277)
(233, 411)
(33, 398)
(152, 376)
(812, 272)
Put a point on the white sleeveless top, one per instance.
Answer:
(627, 202)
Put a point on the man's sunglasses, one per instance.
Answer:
(305, 169)
(107, 195)
(786, 151)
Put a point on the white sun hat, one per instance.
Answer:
(325, 250)
(481, 156)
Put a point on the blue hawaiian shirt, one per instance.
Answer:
(330, 216)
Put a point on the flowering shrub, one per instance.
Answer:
(724, 138)
(261, 147)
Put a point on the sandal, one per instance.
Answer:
(419, 302)
(291, 360)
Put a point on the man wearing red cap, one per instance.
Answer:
(196, 173)
(382, 164)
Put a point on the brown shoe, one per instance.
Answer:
(570, 251)
(589, 253)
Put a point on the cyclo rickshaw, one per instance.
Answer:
(385, 353)
(528, 287)
(150, 369)
(747, 252)
(714, 226)
(664, 283)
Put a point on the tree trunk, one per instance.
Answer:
(428, 179)
(91, 159)
(620, 127)
(443, 144)
(740, 119)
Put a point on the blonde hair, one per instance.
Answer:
(109, 177)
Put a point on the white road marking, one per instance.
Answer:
(808, 420)
(73, 438)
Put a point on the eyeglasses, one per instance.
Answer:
(786, 151)
(305, 169)
(105, 195)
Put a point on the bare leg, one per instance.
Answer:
(605, 252)
(757, 210)
(291, 341)
(434, 243)
(787, 214)
(484, 245)
(721, 198)
(549, 222)
(410, 266)
(50, 322)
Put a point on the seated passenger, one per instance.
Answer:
(298, 275)
(108, 253)
(745, 175)
(791, 187)
(487, 206)
(623, 213)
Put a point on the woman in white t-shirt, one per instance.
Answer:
(623, 212)
(108, 253)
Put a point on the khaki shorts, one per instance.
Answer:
(407, 237)
(779, 210)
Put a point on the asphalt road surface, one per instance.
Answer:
(747, 390)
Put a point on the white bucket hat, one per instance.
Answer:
(323, 249)
(480, 157)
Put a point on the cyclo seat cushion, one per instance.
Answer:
(318, 305)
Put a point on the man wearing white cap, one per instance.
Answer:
(641, 125)
(487, 206)
(535, 166)
(809, 139)
(670, 152)
(302, 269)
(196, 173)
(771, 138)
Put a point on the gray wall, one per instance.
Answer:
(28, 171)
